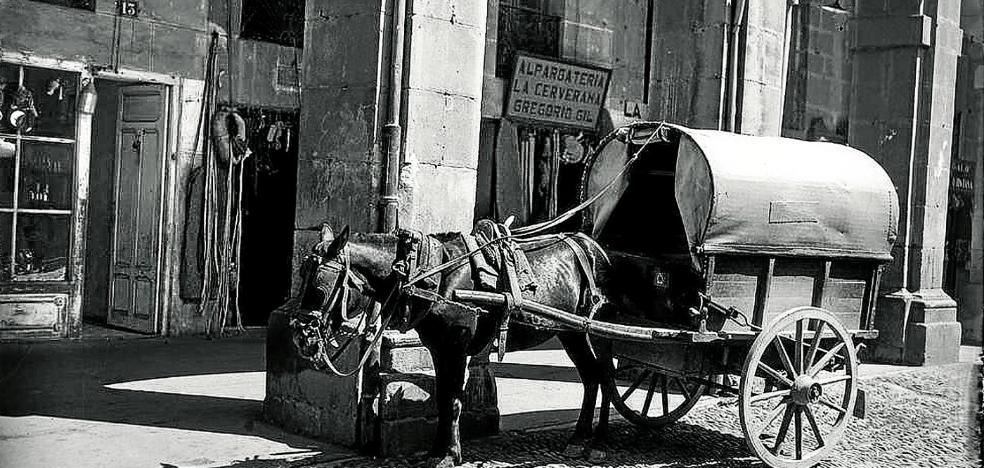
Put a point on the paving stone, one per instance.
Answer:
(922, 417)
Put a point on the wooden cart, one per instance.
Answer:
(737, 255)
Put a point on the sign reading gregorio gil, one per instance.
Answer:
(556, 93)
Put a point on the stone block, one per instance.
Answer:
(406, 395)
(440, 199)
(429, 63)
(443, 129)
(916, 329)
(465, 13)
(342, 193)
(179, 49)
(304, 400)
(336, 62)
(406, 360)
(930, 344)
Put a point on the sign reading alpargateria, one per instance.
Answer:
(556, 93)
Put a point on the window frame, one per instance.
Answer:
(8, 258)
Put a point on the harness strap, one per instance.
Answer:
(595, 298)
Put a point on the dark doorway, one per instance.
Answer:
(269, 182)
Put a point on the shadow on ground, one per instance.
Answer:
(69, 379)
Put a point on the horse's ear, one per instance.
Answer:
(337, 244)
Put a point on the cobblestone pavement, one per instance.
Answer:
(921, 417)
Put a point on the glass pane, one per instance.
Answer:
(42, 247)
(5, 225)
(8, 86)
(45, 176)
(48, 96)
(8, 149)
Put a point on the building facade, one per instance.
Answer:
(101, 139)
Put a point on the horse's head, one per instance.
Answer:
(334, 300)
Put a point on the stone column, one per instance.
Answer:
(692, 64)
(902, 115)
(338, 176)
(442, 102)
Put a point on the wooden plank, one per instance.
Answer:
(820, 286)
(762, 292)
(872, 299)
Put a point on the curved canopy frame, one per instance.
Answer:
(740, 194)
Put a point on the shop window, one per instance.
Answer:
(277, 21)
(37, 171)
(818, 83)
(80, 4)
(524, 26)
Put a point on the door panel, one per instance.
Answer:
(136, 236)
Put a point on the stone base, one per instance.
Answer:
(407, 414)
(303, 400)
(917, 329)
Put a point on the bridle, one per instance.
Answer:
(340, 292)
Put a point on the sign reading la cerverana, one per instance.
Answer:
(556, 93)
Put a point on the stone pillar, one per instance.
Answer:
(342, 113)
(902, 115)
(344, 107)
(692, 65)
(442, 103)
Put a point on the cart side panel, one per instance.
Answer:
(763, 287)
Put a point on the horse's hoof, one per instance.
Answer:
(597, 456)
(574, 451)
(445, 462)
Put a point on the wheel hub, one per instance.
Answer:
(806, 390)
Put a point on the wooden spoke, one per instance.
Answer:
(771, 417)
(825, 359)
(768, 396)
(683, 387)
(799, 434)
(666, 394)
(775, 374)
(799, 347)
(649, 395)
(839, 378)
(784, 357)
(638, 381)
(783, 427)
(827, 403)
(815, 344)
(813, 424)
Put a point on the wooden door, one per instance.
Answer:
(137, 223)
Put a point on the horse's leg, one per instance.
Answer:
(441, 439)
(587, 367)
(451, 378)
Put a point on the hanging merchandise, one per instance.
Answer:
(221, 232)
(22, 110)
(223, 221)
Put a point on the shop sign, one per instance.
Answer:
(556, 93)
(962, 177)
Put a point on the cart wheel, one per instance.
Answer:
(651, 397)
(802, 367)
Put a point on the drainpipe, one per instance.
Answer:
(737, 24)
(786, 51)
(392, 132)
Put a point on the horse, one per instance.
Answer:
(363, 263)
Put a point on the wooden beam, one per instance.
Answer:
(762, 292)
(820, 286)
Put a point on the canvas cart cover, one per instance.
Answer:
(779, 196)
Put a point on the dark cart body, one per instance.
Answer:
(745, 245)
